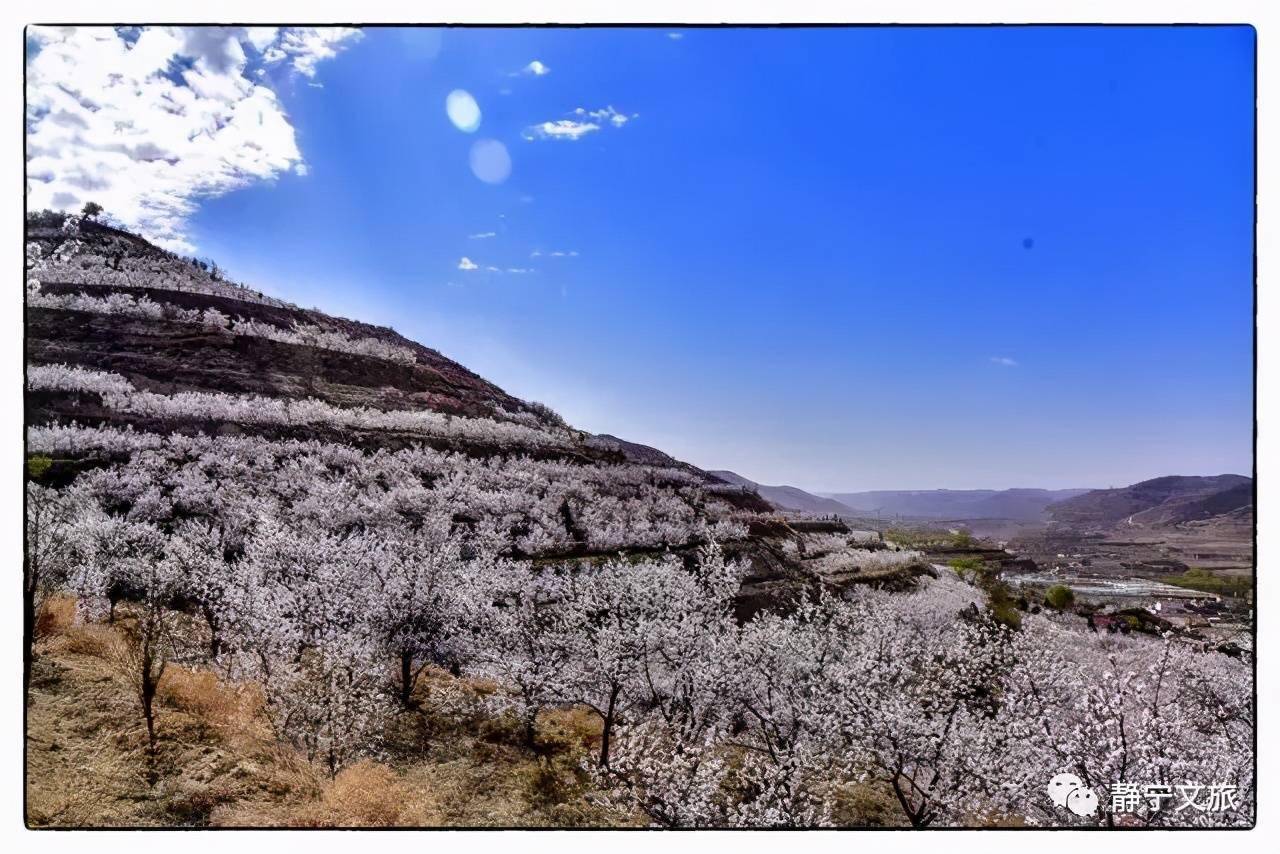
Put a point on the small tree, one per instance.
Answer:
(91, 210)
(528, 649)
(145, 649)
(130, 557)
(1060, 597)
(419, 594)
(50, 534)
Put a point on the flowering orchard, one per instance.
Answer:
(332, 576)
(518, 552)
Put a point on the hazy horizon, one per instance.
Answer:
(840, 259)
(826, 493)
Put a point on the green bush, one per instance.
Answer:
(1060, 597)
(968, 568)
(37, 466)
(1002, 605)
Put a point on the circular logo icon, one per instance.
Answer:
(1063, 785)
(1082, 801)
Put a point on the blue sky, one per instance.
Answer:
(842, 259)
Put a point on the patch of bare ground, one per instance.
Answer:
(449, 762)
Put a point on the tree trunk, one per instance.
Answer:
(28, 637)
(608, 726)
(913, 815)
(530, 729)
(406, 679)
(215, 638)
(148, 706)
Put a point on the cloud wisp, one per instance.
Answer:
(468, 265)
(533, 69)
(149, 121)
(586, 121)
(1004, 361)
(562, 129)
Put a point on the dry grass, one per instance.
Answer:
(57, 615)
(225, 710)
(364, 795)
(92, 641)
(865, 805)
(451, 762)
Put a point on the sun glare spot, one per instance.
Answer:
(462, 110)
(490, 161)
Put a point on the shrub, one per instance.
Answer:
(213, 703)
(1059, 597)
(968, 567)
(864, 805)
(93, 641)
(1002, 605)
(57, 614)
(364, 795)
(38, 465)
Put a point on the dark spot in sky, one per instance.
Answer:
(1028, 242)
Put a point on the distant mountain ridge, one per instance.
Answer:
(1160, 501)
(1017, 504)
(790, 497)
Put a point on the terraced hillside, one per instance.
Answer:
(147, 363)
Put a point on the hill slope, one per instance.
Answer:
(1159, 501)
(1019, 504)
(790, 497)
(162, 386)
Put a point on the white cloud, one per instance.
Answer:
(563, 129)
(608, 114)
(482, 236)
(147, 123)
(261, 37)
(587, 121)
(534, 69)
(468, 264)
(558, 253)
(1004, 360)
(303, 47)
(675, 36)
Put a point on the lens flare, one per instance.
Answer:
(462, 110)
(490, 161)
